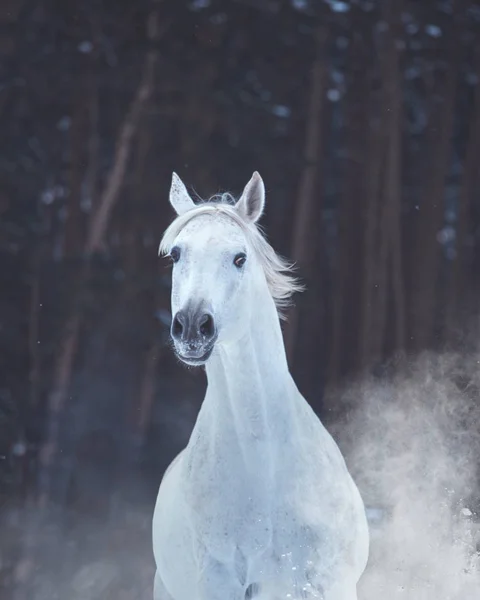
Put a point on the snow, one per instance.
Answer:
(333, 95)
(412, 446)
(433, 31)
(85, 47)
(338, 7)
(282, 111)
(300, 4)
(199, 4)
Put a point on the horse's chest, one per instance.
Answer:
(231, 509)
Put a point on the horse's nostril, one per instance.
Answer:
(177, 326)
(207, 327)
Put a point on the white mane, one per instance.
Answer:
(278, 271)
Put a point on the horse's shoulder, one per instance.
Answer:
(173, 463)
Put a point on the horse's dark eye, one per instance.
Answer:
(175, 254)
(239, 260)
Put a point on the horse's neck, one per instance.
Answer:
(251, 395)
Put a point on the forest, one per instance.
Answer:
(363, 118)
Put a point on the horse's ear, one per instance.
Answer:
(252, 200)
(179, 197)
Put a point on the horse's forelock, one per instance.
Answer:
(278, 271)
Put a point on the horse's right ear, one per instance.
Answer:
(179, 197)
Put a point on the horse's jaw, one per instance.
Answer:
(195, 360)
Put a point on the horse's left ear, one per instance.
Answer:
(252, 201)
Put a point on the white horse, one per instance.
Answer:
(260, 503)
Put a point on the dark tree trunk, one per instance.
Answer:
(349, 265)
(373, 274)
(307, 199)
(426, 260)
(458, 301)
(391, 222)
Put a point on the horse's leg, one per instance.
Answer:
(342, 591)
(159, 591)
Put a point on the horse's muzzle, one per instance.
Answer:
(193, 359)
(194, 334)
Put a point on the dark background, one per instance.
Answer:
(363, 117)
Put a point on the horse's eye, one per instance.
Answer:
(175, 254)
(239, 260)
